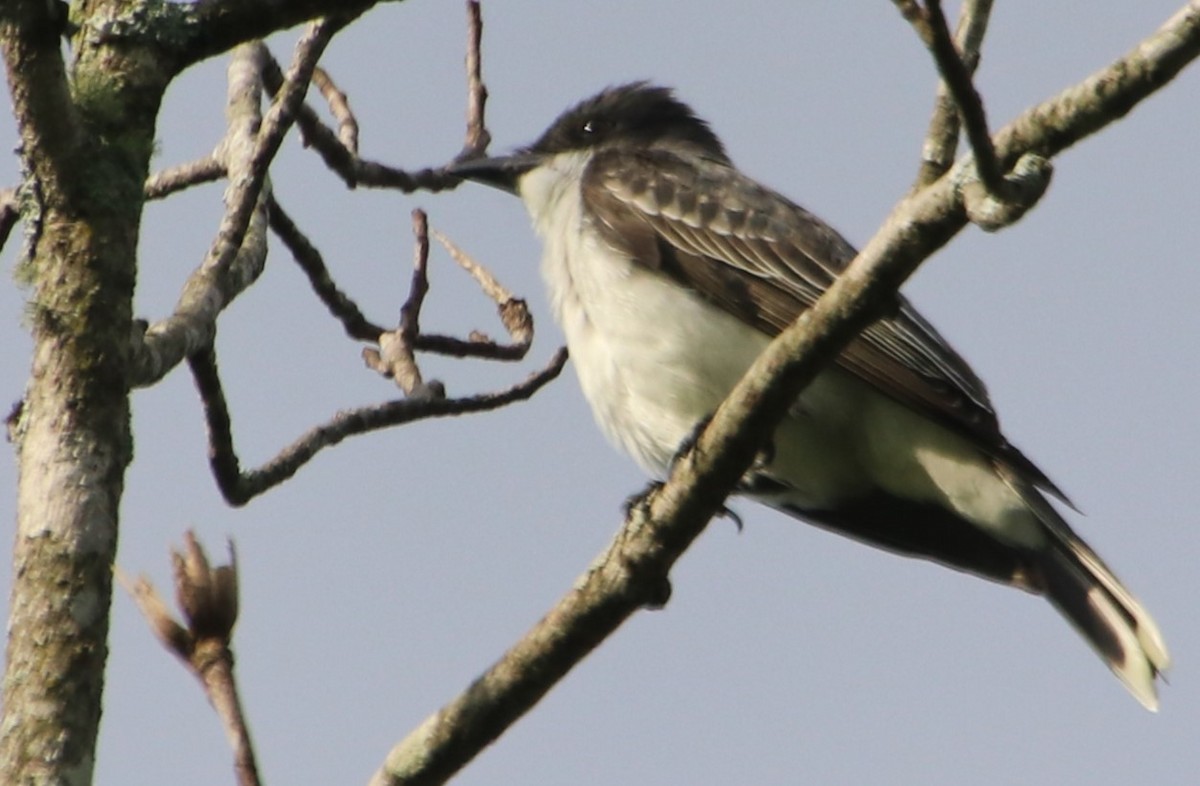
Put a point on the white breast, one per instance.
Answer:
(652, 358)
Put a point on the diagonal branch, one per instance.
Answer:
(513, 311)
(339, 107)
(941, 140)
(340, 305)
(930, 24)
(632, 572)
(217, 281)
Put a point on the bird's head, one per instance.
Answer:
(635, 116)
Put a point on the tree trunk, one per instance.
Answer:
(86, 141)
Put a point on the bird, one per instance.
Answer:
(669, 271)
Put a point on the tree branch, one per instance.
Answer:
(478, 137)
(340, 305)
(48, 120)
(240, 487)
(632, 572)
(168, 181)
(344, 159)
(339, 107)
(238, 253)
(395, 357)
(199, 30)
(930, 24)
(217, 281)
(941, 140)
(513, 311)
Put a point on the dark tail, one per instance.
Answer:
(1098, 605)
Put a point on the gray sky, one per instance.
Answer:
(396, 567)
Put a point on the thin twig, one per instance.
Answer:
(240, 487)
(346, 163)
(339, 107)
(395, 357)
(340, 305)
(168, 181)
(344, 159)
(930, 24)
(275, 124)
(208, 598)
(513, 311)
(941, 139)
(478, 137)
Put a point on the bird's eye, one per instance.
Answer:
(593, 126)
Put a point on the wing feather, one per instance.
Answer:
(764, 259)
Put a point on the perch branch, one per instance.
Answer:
(634, 569)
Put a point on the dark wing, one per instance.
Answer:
(762, 258)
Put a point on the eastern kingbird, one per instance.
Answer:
(669, 272)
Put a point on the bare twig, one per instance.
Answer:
(478, 137)
(353, 170)
(356, 325)
(339, 107)
(239, 487)
(632, 571)
(177, 178)
(395, 358)
(941, 140)
(513, 311)
(275, 124)
(930, 24)
(344, 160)
(208, 598)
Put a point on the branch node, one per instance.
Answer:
(1023, 187)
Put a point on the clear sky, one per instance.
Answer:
(394, 568)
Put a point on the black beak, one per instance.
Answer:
(500, 172)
